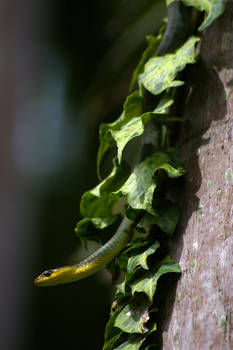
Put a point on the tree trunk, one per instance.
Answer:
(201, 316)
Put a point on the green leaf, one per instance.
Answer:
(160, 72)
(150, 346)
(125, 129)
(153, 328)
(166, 215)
(137, 246)
(212, 8)
(168, 2)
(153, 43)
(111, 331)
(85, 230)
(133, 342)
(123, 289)
(148, 284)
(165, 102)
(132, 108)
(97, 203)
(135, 128)
(131, 260)
(141, 259)
(140, 186)
(110, 344)
(134, 315)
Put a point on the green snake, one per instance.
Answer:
(91, 264)
(178, 17)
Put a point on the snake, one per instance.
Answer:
(93, 263)
(174, 36)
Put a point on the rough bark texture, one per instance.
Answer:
(201, 317)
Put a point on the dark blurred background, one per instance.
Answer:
(65, 68)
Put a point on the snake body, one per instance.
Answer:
(178, 17)
(91, 264)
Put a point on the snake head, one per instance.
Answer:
(52, 277)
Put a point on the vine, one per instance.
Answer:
(140, 193)
(131, 320)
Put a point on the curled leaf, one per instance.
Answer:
(109, 132)
(148, 284)
(134, 315)
(97, 204)
(141, 259)
(166, 215)
(133, 342)
(212, 8)
(160, 71)
(153, 43)
(139, 187)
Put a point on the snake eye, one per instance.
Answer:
(47, 273)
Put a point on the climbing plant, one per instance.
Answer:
(139, 192)
(131, 321)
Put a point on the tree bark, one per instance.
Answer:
(198, 315)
